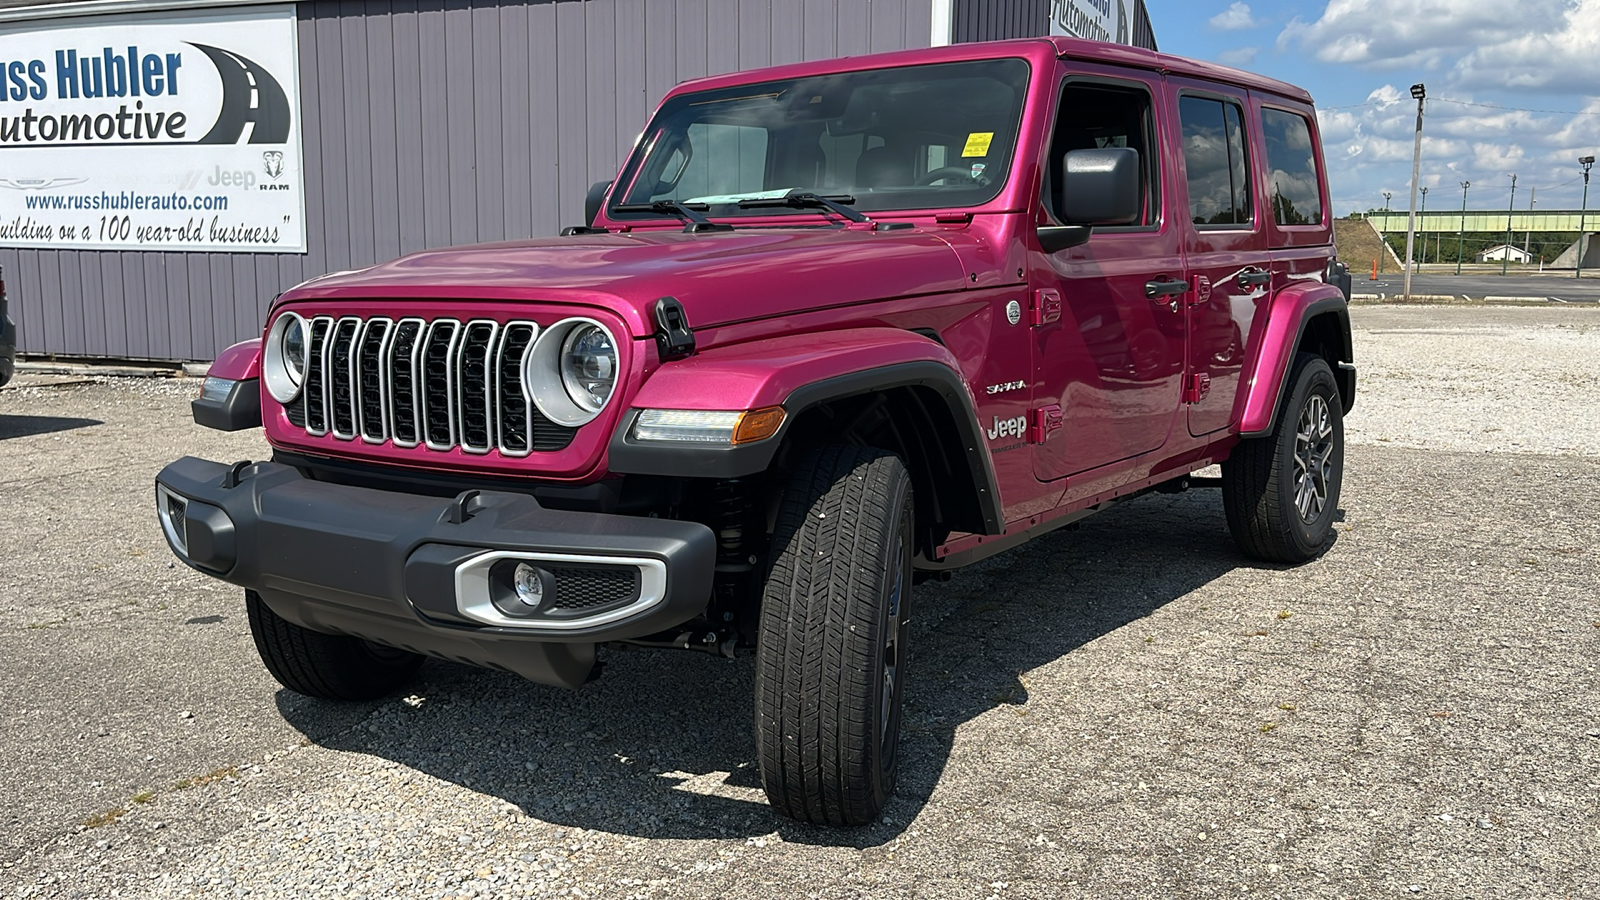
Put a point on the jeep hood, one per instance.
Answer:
(720, 277)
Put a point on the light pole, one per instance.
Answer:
(1461, 235)
(1383, 233)
(1423, 215)
(1511, 207)
(1586, 162)
(1419, 94)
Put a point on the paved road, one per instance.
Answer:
(1129, 709)
(1477, 287)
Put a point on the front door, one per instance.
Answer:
(1225, 248)
(1110, 361)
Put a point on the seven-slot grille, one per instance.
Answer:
(441, 384)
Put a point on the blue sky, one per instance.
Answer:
(1513, 87)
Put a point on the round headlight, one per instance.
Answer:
(283, 358)
(571, 372)
(294, 349)
(589, 367)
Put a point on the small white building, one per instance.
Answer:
(1505, 251)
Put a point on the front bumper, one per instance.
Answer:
(418, 573)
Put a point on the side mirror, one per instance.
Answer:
(1101, 187)
(1098, 187)
(592, 201)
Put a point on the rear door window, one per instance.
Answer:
(1218, 166)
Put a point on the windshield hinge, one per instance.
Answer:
(674, 337)
(960, 218)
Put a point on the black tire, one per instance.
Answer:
(1262, 485)
(327, 666)
(831, 655)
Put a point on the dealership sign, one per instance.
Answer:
(170, 132)
(1096, 20)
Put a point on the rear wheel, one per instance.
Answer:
(1281, 491)
(831, 656)
(328, 666)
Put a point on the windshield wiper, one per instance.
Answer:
(688, 212)
(808, 200)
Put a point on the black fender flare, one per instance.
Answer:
(628, 456)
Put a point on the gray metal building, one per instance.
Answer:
(427, 123)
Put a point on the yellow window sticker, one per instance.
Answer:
(978, 143)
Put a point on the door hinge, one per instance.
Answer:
(1197, 388)
(1199, 291)
(1046, 307)
(1043, 422)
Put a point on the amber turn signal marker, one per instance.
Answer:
(758, 425)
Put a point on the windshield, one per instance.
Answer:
(917, 137)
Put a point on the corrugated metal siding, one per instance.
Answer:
(995, 20)
(1143, 35)
(988, 20)
(436, 122)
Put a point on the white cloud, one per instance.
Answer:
(1235, 18)
(1240, 58)
(1498, 44)
(1368, 150)
(1563, 58)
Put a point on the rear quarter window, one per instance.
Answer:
(1291, 168)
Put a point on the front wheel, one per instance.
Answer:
(831, 655)
(1281, 491)
(327, 666)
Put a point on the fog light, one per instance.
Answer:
(521, 590)
(529, 586)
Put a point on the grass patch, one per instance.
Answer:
(1269, 727)
(104, 818)
(143, 797)
(208, 778)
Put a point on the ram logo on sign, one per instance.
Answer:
(1095, 20)
(146, 131)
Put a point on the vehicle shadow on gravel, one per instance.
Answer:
(661, 745)
(26, 426)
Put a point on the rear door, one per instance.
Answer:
(1224, 245)
(1107, 355)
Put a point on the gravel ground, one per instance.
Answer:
(1128, 709)
(1484, 380)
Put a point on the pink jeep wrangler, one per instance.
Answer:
(835, 328)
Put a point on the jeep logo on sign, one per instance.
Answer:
(1004, 428)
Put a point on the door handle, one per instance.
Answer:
(1157, 290)
(1253, 277)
